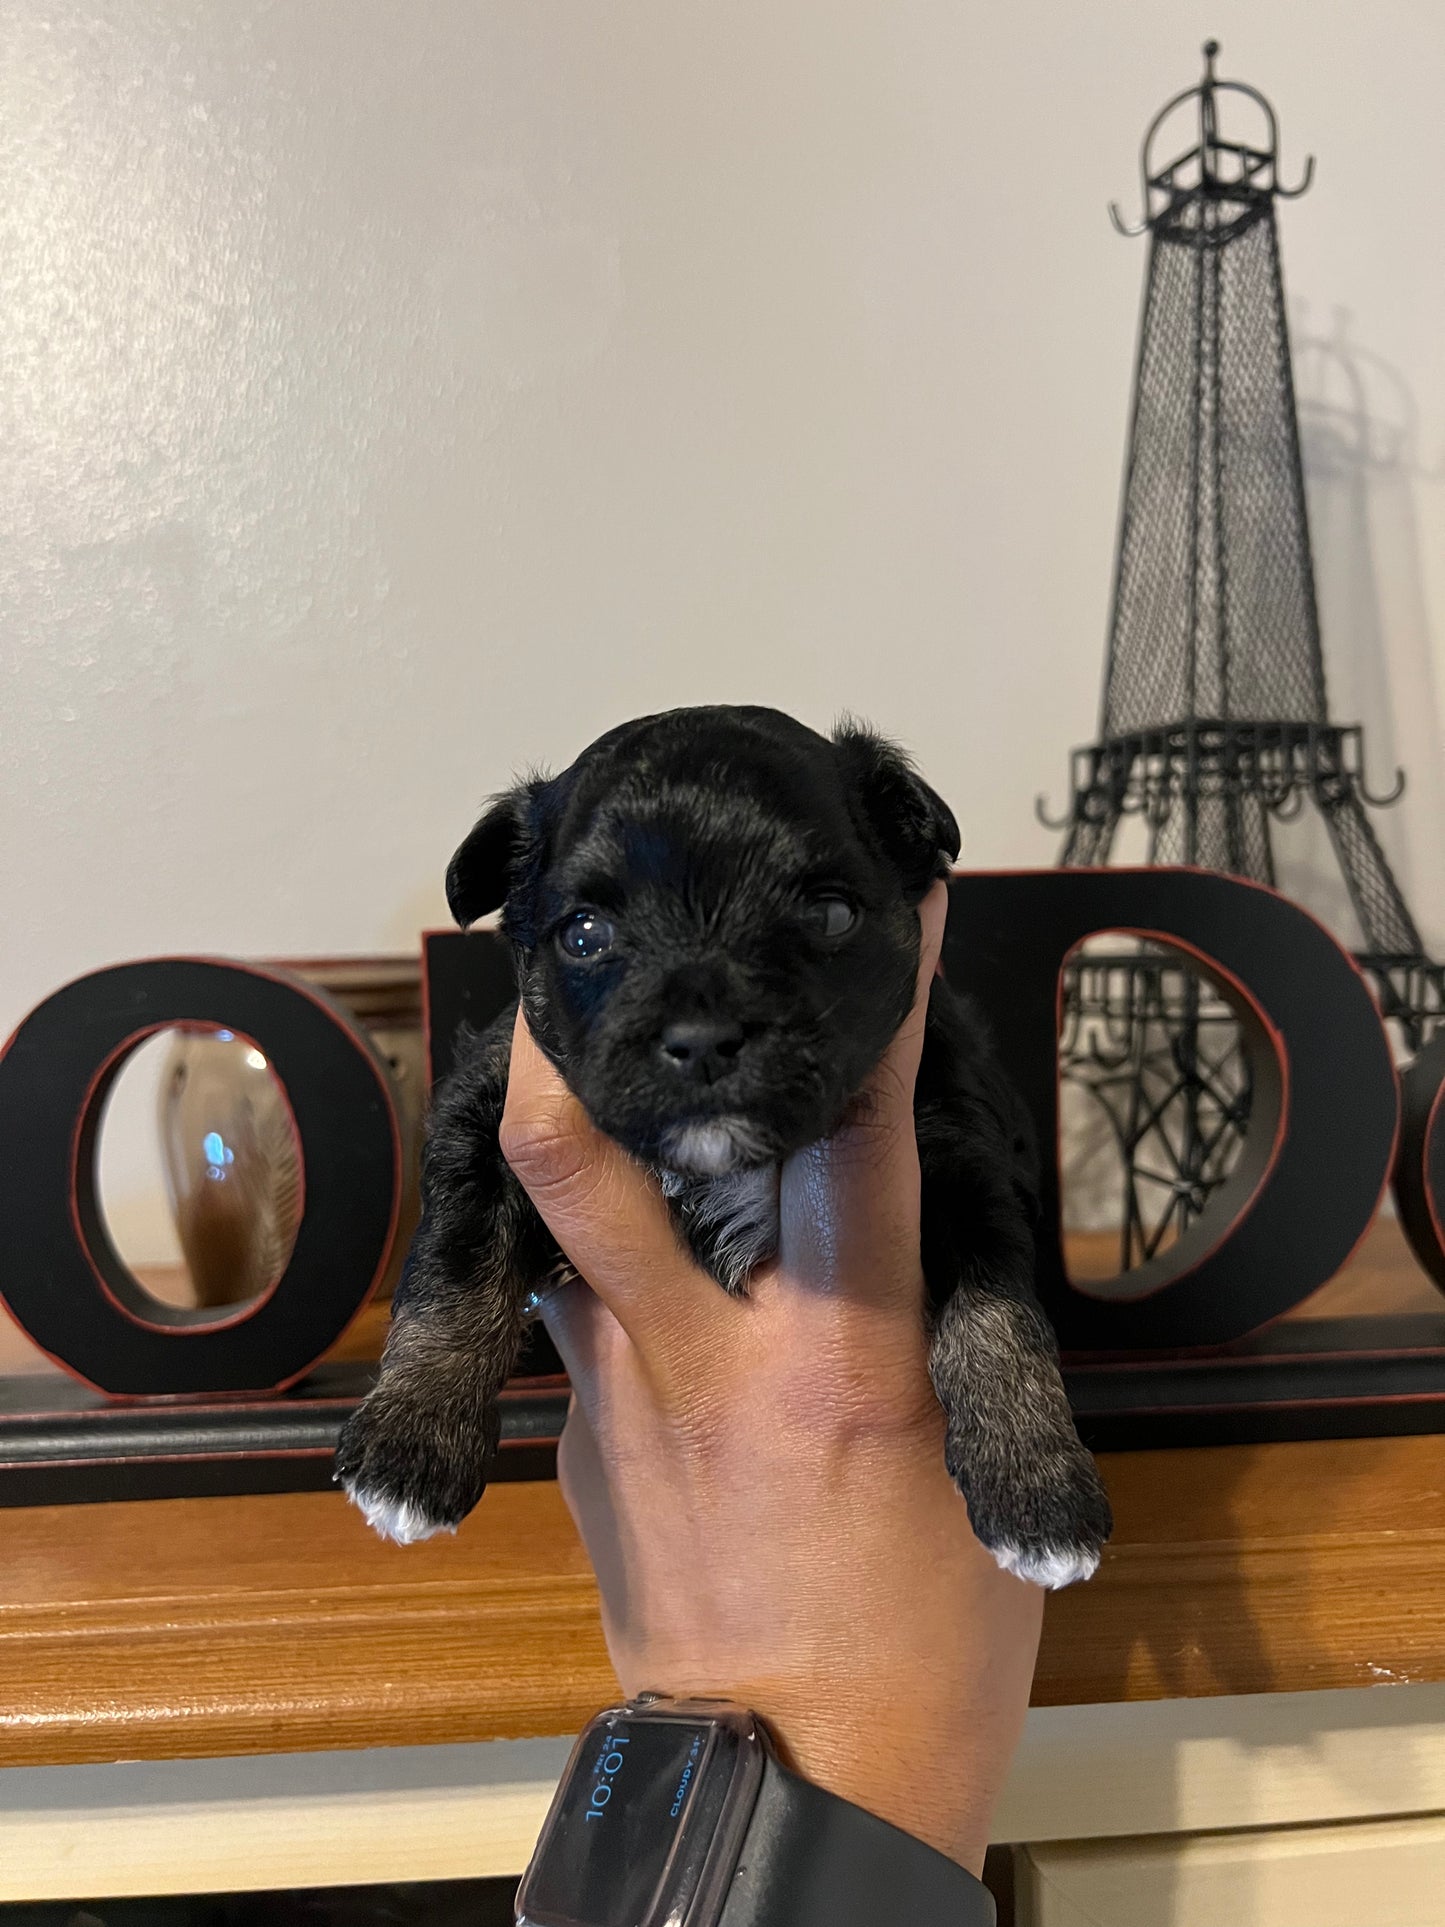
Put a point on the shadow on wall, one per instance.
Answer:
(1359, 434)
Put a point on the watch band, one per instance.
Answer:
(811, 1859)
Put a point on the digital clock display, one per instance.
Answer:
(622, 1812)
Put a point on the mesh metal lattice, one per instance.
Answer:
(1214, 610)
(1155, 1050)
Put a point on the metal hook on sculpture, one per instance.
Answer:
(1293, 193)
(1391, 795)
(1286, 804)
(1055, 823)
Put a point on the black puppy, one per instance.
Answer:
(716, 935)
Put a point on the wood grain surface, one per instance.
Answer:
(1256, 1569)
(281, 1623)
(272, 1624)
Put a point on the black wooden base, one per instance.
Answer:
(61, 1444)
(1304, 1378)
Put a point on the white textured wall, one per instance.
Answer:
(399, 391)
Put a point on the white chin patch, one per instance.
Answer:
(1052, 1568)
(396, 1519)
(710, 1148)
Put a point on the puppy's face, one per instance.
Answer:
(714, 914)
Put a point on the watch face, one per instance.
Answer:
(630, 1827)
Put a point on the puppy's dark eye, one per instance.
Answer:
(586, 934)
(831, 916)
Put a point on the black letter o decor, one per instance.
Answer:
(60, 1275)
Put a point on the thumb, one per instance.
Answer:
(604, 1209)
(850, 1202)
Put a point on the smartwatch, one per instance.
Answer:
(677, 1813)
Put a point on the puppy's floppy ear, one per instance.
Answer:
(483, 870)
(914, 825)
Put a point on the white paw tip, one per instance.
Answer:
(1051, 1568)
(395, 1519)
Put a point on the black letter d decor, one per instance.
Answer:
(1322, 1129)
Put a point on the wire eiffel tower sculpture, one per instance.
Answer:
(1214, 721)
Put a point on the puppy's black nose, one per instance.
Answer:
(704, 1048)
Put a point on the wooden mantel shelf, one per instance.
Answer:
(197, 1627)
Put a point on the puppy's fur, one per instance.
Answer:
(759, 885)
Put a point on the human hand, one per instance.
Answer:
(759, 1482)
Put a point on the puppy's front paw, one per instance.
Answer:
(411, 1470)
(402, 1521)
(1045, 1518)
(1048, 1566)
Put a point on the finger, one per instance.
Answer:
(589, 1340)
(891, 1085)
(850, 1203)
(605, 1211)
(586, 1484)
